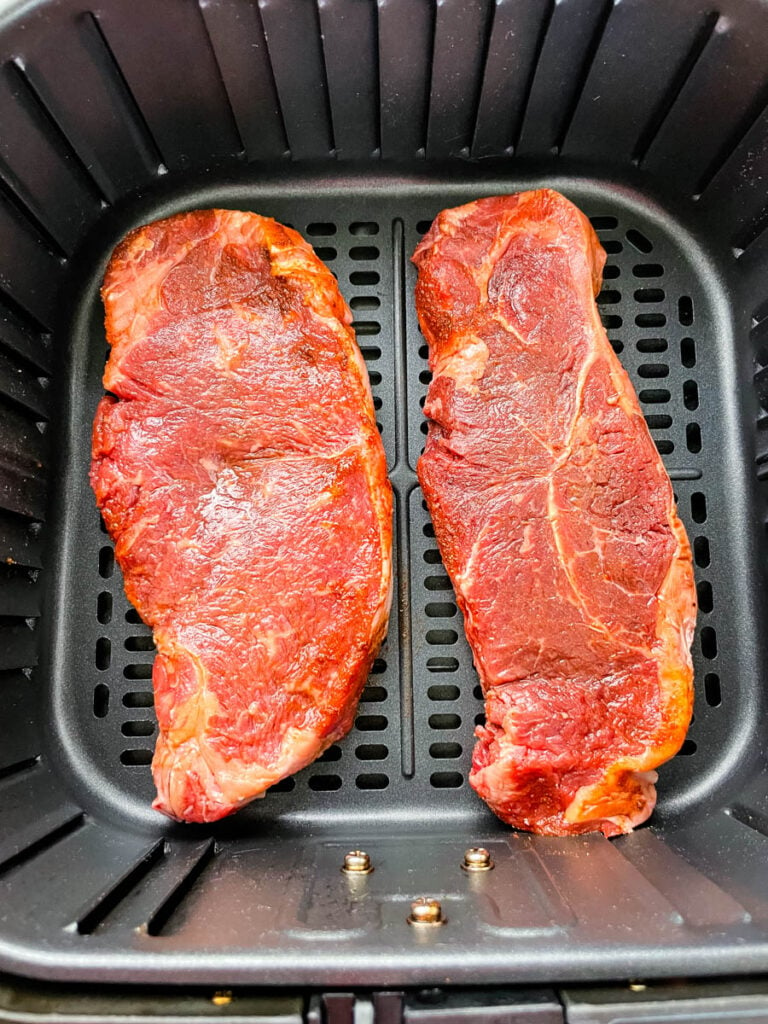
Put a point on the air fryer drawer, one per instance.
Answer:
(356, 123)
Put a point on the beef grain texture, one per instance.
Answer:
(555, 518)
(241, 474)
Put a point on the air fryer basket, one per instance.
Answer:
(356, 122)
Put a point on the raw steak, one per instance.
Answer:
(241, 474)
(555, 519)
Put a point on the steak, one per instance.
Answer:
(239, 469)
(555, 519)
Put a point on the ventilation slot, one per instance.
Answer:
(371, 752)
(372, 780)
(324, 783)
(712, 691)
(446, 780)
(441, 693)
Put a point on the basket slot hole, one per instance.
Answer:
(424, 427)
(370, 353)
(133, 617)
(139, 699)
(664, 446)
(603, 223)
(325, 253)
(104, 607)
(653, 370)
(688, 352)
(364, 227)
(480, 718)
(652, 345)
(708, 642)
(324, 783)
(685, 310)
(445, 751)
(442, 664)
(103, 653)
(444, 721)
(446, 780)
(691, 395)
(437, 583)
(648, 270)
(374, 377)
(444, 692)
(608, 297)
(704, 596)
(374, 694)
(693, 438)
(364, 277)
(141, 728)
(611, 272)
(134, 758)
(428, 530)
(364, 302)
(658, 421)
(379, 667)
(639, 241)
(424, 352)
(701, 552)
(689, 747)
(364, 252)
(712, 691)
(612, 246)
(441, 609)
(371, 752)
(372, 780)
(106, 562)
(333, 753)
(432, 556)
(650, 319)
(377, 402)
(649, 295)
(141, 671)
(139, 643)
(611, 321)
(654, 396)
(699, 507)
(367, 328)
(425, 377)
(616, 345)
(101, 700)
(283, 786)
(423, 226)
(371, 723)
(321, 229)
(436, 637)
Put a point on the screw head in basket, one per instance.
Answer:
(477, 858)
(357, 862)
(426, 911)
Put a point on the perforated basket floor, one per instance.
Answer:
(409, 753)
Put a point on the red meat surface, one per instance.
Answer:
(239, 469)
(555, 518)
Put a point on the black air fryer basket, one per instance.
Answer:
(356, 122)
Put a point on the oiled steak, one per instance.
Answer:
(555, 519)
(241, 474)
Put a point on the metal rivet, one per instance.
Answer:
(477, 858)
(357, 862)
(222, 998)
(426, 911)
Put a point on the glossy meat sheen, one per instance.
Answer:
(555, 519)
(241, 474)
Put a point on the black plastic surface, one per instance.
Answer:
(357, 123)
